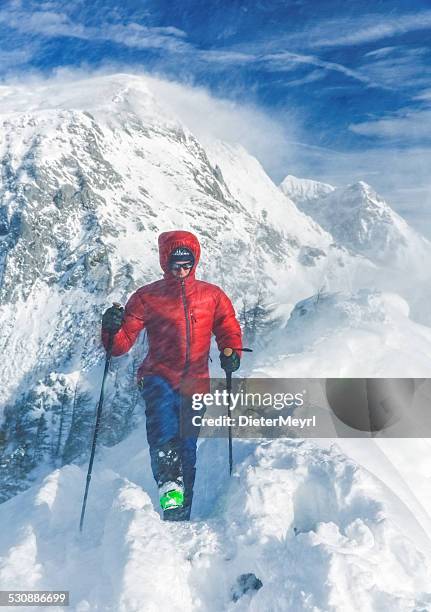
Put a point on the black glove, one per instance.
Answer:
(112, 319)
(230, 363)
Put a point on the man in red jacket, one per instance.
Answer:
(179, 314)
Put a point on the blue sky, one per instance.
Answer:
(353, 76)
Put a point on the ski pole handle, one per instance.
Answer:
(231, 350)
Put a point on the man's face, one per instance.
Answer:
(180, 272)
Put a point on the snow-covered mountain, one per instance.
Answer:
(302, 191)
(92, 172)
(360, 220)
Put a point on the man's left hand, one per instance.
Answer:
(229, 360)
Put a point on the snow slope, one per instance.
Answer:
(348, 523)
(362, 334)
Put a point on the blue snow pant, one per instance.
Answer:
(173, 456)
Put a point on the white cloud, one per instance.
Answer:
(14, 58)
(287, 59)
(267, 137)
(382, 52)
(311, 77)
(406, 125)
(346, 31)
(367, 28)
(423, 95)
(398, 67)
(50, 23)
(225, 56)
(379, 70)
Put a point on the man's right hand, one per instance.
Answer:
(112, 319)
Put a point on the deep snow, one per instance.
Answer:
(319, 530)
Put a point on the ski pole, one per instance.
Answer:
(229, 389)
(246, 350)
(228, 352)
(96, 427)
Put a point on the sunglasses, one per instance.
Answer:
(177, 266)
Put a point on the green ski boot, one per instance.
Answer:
(171, 496)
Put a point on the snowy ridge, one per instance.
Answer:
(355, 335)
(346, 520)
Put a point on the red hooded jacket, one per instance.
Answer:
(179, 315)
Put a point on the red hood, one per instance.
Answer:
(168, 241)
